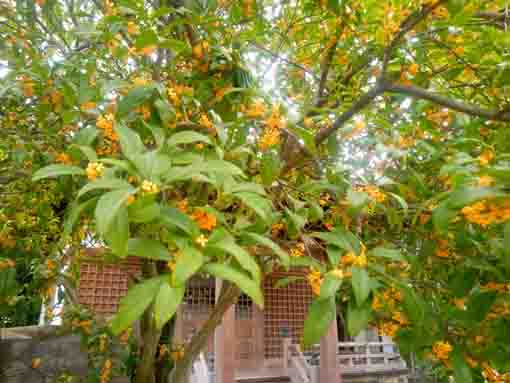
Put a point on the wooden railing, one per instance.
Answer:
(294, 362)
(355, 357)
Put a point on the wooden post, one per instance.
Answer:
(329, 367)
(224, 345)
(258, 317)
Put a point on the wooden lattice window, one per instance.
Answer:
(284, 312)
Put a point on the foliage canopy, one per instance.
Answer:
(366, 141)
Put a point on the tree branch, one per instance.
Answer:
(326, 65)
(361, 103)
(472, 110)
(228, 296)
(407, 25)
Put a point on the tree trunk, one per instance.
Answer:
(228, 297)
(145, 372)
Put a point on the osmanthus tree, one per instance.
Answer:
(366, 141)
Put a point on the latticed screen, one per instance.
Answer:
(284, 312)
(244, 307)
(198, 299)
(102, 287)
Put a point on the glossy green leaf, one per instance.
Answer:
(56, 171)
(136, 301)
(320, 315)
(264, 241)
(361, 284)
(167, 301)
(358, 318)
(187, 137)
(108, 207)
(105, 183)
(189, 261)
(148, 248)
(240, 279)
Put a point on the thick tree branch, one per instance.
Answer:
(407, 25)
(325, 66)
(228, 296)
(472, 110)
(361, 103)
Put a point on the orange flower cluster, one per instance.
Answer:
(486, 157)
(442, 350)
(277, 229)
(388, 329)
(105, 123)
(495, 286)
(94, 170)
(177, 352)
(314, 279)
(373, 192)
(274, 123)
(439, 117)
(256, 110)
(498, 311)
(204, 220)
(443, 249)
(6, 264)
(27, 85)
(351, 259)
(485, 212)
(150, 187)
(298, 251)
(64, 158)
(106, 371)
(493, 376)
(205, 121)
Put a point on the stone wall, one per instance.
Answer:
(58, 354)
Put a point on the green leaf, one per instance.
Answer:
(134, 98)
(85, 136)
(108, 207)
(56, 171)
(220, 166)
(136, 301)
(243, 281)
(174, 218)
(357, 200)
(105, 183)
(259, 204)
(165, 110)
(479, 305)
(167, 302)
(384, 252)
(441, 216)
(189, 261)
(361, 284)
(74, 214)
(87, 150)
(358, 318)
(320, 315)
(297, 221)
(270, 168)
(468, 195)
(461, 370)
(330, 285)
(118, 233)
(244, 258)
(340, 238)
(148, 248)
(283, 255)
(144, 210)
(130, 141)
(187, 137)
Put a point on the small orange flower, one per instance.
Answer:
(205, 220)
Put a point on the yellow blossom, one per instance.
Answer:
(150, 187)
(94, 170)
(442, 350)
(315, 280)
(132, 28)
(486, 157)
(201, 240)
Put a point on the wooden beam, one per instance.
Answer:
(329, 371)
(224, 344)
